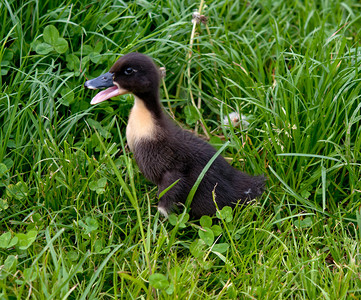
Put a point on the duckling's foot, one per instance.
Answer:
(163, 211)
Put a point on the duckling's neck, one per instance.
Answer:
(151, 102)
(141, 123)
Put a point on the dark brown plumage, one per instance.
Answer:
(165, 152)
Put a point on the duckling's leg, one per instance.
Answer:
(174, 195)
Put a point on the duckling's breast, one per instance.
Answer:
(141, 124)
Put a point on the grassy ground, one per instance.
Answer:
(78, 220)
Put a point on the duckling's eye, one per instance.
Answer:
(128, 71)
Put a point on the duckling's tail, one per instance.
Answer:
(251, 187)
(260, 184)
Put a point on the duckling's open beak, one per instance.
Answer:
(104, 81)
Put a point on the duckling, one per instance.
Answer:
(165, 152)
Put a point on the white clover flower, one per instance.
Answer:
(236, 120)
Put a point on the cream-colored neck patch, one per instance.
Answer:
(141, 124)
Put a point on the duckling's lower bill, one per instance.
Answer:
(164, 152)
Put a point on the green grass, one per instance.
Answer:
(77, 218)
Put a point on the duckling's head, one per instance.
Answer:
(134, 73)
